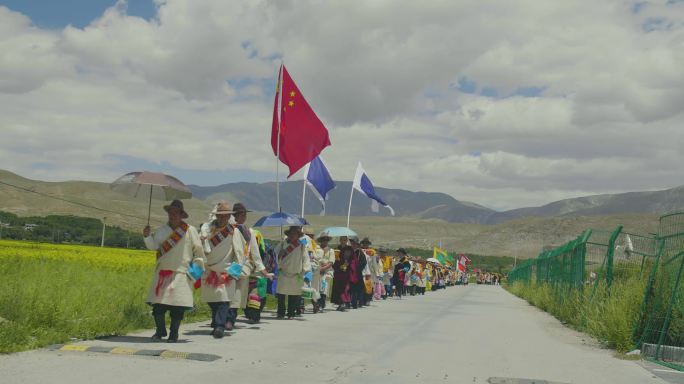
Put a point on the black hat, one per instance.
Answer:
(293, 228)
(240, 208)
(178, 205)
(366, 241)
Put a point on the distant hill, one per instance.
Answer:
(428, 205)
(129, 212)
(655, 202)
(423, 219)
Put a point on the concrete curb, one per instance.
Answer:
(161, 353)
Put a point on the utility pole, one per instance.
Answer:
(103, 231)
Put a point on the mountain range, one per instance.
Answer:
(423, 219)
(435, 205)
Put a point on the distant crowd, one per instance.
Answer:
(234, 268)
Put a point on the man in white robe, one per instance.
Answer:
(326, 257)
(250, 260)
(222, 245)
(178, 246)
(293, 263)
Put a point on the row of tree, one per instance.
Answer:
(66, 229)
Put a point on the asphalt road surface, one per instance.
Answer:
(473, 334)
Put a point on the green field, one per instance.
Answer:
(56, 293)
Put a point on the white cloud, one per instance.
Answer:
(191, 87)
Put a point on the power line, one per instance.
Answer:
(71, 202)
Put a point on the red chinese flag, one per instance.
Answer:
(302, 134)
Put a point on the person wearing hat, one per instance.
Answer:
(326, 257)
(369, 271)
(341, 279)
(357, 264)
(387, 263)
(222, 246)
(293, 263)
(314, 286)
(178, 246)
(250, 260)
(400, 270)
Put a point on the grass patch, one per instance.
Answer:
(53, 293)
(609, 316)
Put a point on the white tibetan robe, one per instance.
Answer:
(171, 285)
(216, 285)
(250, 258)
(291, 269)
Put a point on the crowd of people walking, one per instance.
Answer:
(234, 268)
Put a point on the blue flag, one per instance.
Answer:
(363, 184)
(319, 180)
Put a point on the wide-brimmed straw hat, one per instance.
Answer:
(177, 204)
(222, 208)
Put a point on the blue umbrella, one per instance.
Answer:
(337, 232)
(280, 219)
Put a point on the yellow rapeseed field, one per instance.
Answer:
(110, 258)
(52, 293)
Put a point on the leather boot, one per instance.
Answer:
(160, 324)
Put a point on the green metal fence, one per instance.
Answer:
(660, 328)
(598, 258)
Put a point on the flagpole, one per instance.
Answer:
(303, 195)
(351, 195)
(280, 100)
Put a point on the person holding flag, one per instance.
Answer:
(179, 253)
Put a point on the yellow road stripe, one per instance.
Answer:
(174, 355)
(79, 348)
(123, 351)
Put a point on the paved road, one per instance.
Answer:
(461, 335)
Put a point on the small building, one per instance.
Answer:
(29, 227)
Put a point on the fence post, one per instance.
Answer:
(673, 298)
(581, 256)
(610, 254)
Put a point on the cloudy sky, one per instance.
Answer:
(505, 103)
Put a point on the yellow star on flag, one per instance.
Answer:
(291, 103)
(292, 94)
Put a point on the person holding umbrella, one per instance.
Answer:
(178, 246)
(293, 264)
(222, 246)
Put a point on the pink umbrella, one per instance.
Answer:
(162, 187)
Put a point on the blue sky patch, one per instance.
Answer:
(53, 14)
(466, 85)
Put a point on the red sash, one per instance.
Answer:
(221, 235)
(163, 275)
(215, 279)
(173, 239)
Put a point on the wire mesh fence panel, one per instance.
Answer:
(661, 328)
(633, 254)
(596, 261)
